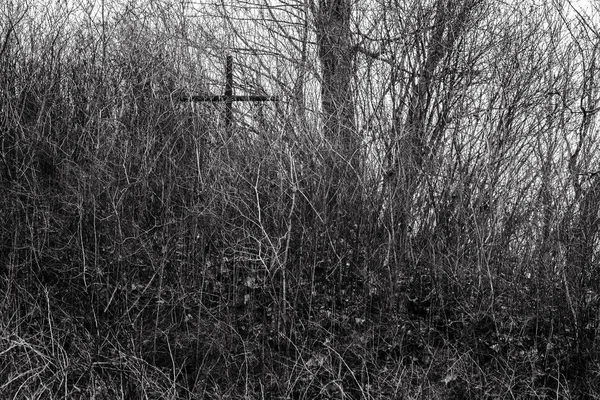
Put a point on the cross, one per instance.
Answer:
(229, 97)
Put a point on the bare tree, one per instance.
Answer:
(336, 56)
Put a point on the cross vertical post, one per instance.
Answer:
(229, 92)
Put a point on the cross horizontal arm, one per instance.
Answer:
(226, 98)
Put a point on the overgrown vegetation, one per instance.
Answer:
(148, 252)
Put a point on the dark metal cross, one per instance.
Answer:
(229, 97)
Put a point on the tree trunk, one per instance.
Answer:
(337, 100)
(415, 141)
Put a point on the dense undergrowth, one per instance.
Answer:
(147, 252)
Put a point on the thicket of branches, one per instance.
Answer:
(429, 232)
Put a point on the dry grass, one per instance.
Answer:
(146, 252)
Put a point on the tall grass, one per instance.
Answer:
(146, 251)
